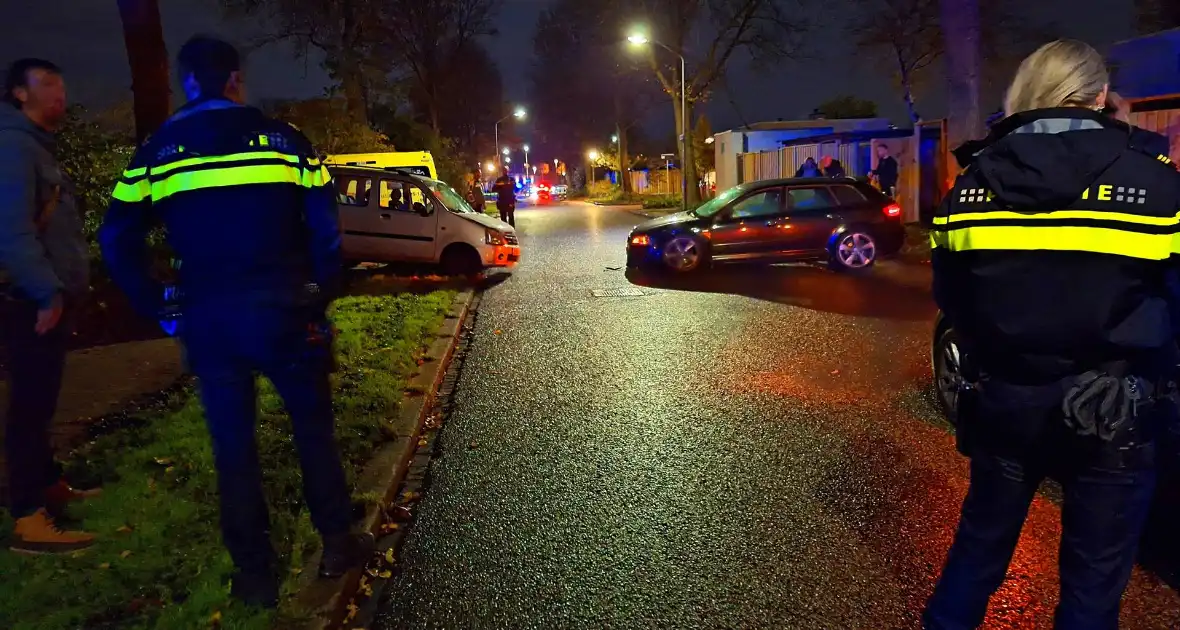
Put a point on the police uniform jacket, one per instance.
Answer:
(1052, 251)
(247, 207)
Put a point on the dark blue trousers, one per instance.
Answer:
(1107, 495)
(226, 346)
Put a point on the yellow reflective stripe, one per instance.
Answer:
(1059, 214)
(1057, 238)
(234, 176)
(222, 159)
(321, 176)
(133, 192)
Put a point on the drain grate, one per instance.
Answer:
(619, 292)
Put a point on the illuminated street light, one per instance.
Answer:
(491, 167)
(614, 139)
(526, 148)
(507, 160)
(519, 114)
(593, 155)
(505, 151)
(639, 39)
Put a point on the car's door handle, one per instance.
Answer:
(386, 215)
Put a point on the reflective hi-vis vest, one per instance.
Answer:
(244, 199)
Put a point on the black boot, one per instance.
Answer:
(255, 589)
(344, 552)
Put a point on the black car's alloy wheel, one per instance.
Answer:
(684, 254)
(948, 372)
(854, 250)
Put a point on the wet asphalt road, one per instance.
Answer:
(751, 450)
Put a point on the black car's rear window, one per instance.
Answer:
(848, 196)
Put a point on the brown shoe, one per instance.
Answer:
(61, 493)
(37, 534)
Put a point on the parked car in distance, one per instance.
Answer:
(844, 221)
(395, 216)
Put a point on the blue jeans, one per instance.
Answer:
(1106, 501)
(226, 346)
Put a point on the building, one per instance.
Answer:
(1146, 70)
(1148, 66)
(770, 136)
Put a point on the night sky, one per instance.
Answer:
(85, 37)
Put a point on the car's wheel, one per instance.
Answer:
(461, 260)
(853, 250)
(947, 363)
(684, 254)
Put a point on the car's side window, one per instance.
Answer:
(848, 196)
(763, 203)
(353, 190)
(808, 199)
(400, 195)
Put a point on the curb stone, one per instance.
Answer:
(326, 601)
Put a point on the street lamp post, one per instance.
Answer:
(593, 155)
(640, 40)
(526, 160)
(518, 114)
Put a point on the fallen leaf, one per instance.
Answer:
(421, 443)
(389, 557)
(472, 445)
(163, 461)
(126, 552)
(215, 618)
(835, 372)
(385, 574)
(105, 565)
(497, 331)
(124, 529)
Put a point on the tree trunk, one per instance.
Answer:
(688, 165)
(147, 56)
(354, 95)
(907, 87)
(621, 134)
(961, 30)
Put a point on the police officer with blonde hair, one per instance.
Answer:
(1050, 257)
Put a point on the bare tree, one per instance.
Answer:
(964, 69)
(349, 33)
(910, 35)
(601, 90)
(765, 29)
(143, 36)
(908, 31)
(428, 39)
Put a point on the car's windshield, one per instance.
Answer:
(451, 199)
(714, 205)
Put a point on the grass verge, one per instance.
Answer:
(159, 562)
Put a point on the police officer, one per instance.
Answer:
(250, 213)
(1050, 258)
(505, 189)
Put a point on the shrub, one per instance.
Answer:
(654, 202)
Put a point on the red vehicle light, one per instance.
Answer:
(892, 210)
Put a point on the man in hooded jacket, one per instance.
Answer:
(43, 256)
